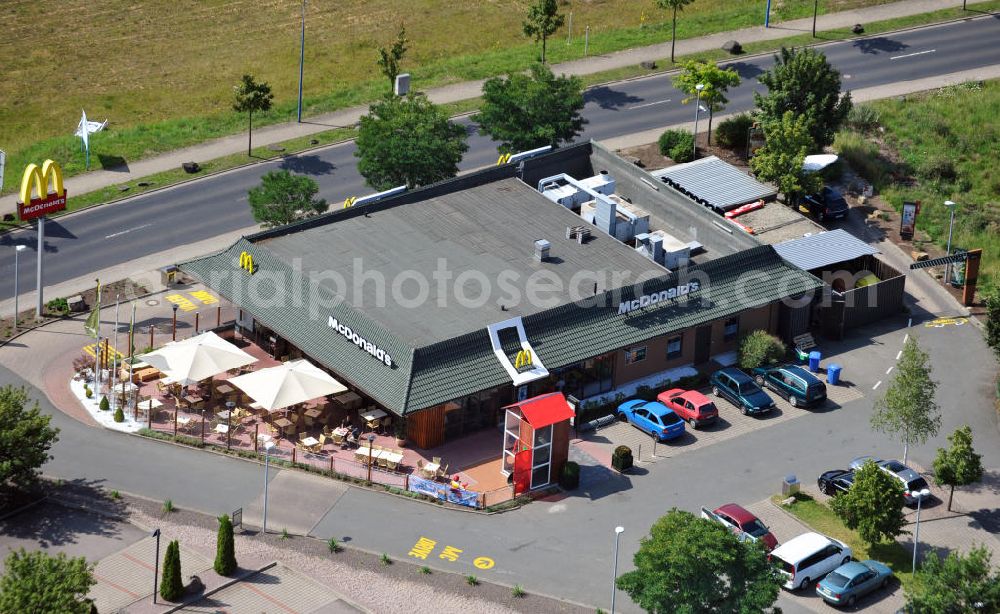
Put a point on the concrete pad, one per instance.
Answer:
(297, 501)
(278, 589)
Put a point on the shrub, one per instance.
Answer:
(760, 348)
(938, 168)
(88, 392)
(225, 550)
(569, 477)
(862, 155)
(385, 559)
(622, 458)
(114, 494)
(82, 362)
(285, 534)
(425, 570)
(472, 580)
(105, 405)
(863, 118)
(57, 306)
(168, 506)
(171, 586)
(734, 132)
(333, 545)
(517, 591)
(678, 145)
(119, 415)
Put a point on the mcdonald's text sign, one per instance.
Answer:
(46, 181)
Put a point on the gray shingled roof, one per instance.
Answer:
(716, 183)
(823, 249)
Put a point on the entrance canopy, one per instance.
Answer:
(197, 358)
(545, 409)
(287, 384)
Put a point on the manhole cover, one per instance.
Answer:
(152, 302)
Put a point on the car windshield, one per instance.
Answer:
(747, 387)
(755, 527)
(669, 419)
(784, 566)
(837, 580)
(917, 485)
(895, 466)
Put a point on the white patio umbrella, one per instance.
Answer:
(197, 358)
(292, 382)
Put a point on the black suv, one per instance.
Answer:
(835, 482)
(829, 204)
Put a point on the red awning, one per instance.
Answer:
(545, 409)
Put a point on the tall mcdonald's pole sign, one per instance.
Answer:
(47, 182)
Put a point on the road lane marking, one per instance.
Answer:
(906, 337)
(942, 322)
(204, 296)
(898, 354)
(889, 370)
(910, 55)
(118, 234)
(648, 104)
(877, 384)
(483, 562)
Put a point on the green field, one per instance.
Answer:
(162, 72)
(940, 145)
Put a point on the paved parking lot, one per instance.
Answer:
(731, 423)
(277, 589)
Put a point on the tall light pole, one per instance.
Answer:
(815, 10)
(916, 531)
(767, 14)
(17, 250)
(267, 458)
(697, 107)
(614, 574)
(302, 57)
(156, 563)
(951, 227)
(174, 334)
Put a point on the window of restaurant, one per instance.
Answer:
(732, 329)
(674, 347)
(586, 378)
(474, 412)
(634, 355)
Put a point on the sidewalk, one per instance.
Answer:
(276, 133)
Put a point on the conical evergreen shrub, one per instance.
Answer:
(171, 586)
(225, 551)
(105, 404)
(119, 415)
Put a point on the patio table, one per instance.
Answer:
(264, 437)
(371, 415)
(310, 442)
(349, 400)
(183, 420)
(223, 388)
(282, 422)
(313, 412)
(193, 399)
(224, 414)
(430, 469)
(222, 429)
(341, 431)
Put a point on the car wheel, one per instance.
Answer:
(851, 601)
(805, 583)
(794, 402)
(825, 489)
(760, 380)
(621, 416)
(693, 423)
(743, 410)
(715, 391)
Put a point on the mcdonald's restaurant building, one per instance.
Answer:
(447, 303)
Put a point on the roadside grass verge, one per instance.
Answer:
(820, 518)
(174, 88)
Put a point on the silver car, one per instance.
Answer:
(910, 480)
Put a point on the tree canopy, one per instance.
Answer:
(40, 582)
(803, 82)
(408, 141)
(249, 97)
(389, 58)
(780, 160)
(542, 21)
(282, 198)
(873, 505)
(992, 301)
(25, 440)
(958, 584)
(690, 565)
(673, 5)
(907, 409)
(715, 81)
(958, 465)
(525, 111)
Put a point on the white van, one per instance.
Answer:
(809, 557)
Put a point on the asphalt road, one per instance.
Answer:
(110, 235)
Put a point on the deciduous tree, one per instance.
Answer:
(282, 198)
(25, 440)
(907, 409)
(408, 141)
(41, 582)
(803, 82)
(780, 160)
(958, 465)
(688, 564)
(525, 111)
(759, 348)
(873, 506)
(389, 59)
(958, 584)
(674, 6)
(542, 22)
(251, 97)
(715, 81)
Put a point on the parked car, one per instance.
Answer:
(652, 417)
(835, 481)
(739, 388)
(851, 581)
(690, 405)
(800, 387)
(808, 557)
(745, 525)
(911, 481)
(829, 204)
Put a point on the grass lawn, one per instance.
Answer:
(821, 519)
(163, 72)
(937, 146)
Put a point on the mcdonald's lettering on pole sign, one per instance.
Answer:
(38, 180)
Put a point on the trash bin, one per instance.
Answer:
(833, 374)
(789, 486)
(170, 275)
(814, 357)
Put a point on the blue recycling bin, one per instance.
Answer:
(814, 357)
(833, 374)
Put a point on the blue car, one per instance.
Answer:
(851, 581)
(652, 417)
(739, 388)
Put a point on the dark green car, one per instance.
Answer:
(800, 387)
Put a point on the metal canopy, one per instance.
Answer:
(823, 249)
(715, 183)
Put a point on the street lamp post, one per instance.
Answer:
(371, 440)
(267, 458)
(951, 227)
(175, 323)
(916, 531)
(229, 423)
(697, 107)
(17, 250)
(815, 10)
(156, 562)
(614, 573)
(302, 57)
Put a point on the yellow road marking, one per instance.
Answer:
(92, 351)
(205, 297)
(181, 301)
(483, 562)
(942, 322)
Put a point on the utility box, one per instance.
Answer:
(170, 276)
(402, 85)
(789, 486)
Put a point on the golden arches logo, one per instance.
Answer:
(246, 262)
(523, 359)
(503, 159)
(38, 179)
(349, 201)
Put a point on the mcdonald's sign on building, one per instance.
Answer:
(47, 182)
(246, 262)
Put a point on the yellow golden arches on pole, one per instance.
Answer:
(40, 178)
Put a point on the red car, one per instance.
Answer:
(745, 525)
(690, 405)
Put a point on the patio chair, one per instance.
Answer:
(442, 472)
(382, 462)
(386, 422)
(338, 440)
(436, 460)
